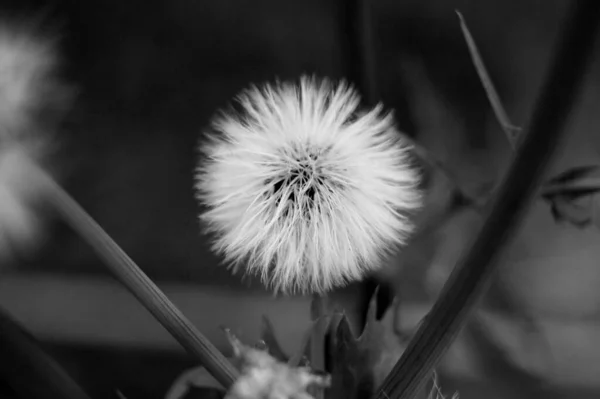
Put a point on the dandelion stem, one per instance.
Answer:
(362, 59)
(317, 339)
(136, 281)
(470, 278)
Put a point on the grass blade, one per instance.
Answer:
(512, 131)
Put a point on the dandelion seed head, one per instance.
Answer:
(304, 189)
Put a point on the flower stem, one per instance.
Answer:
(136, 281)
(317, 339)
(469, 279)
(362, 50)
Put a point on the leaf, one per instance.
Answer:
(349, 378)
(269, 339)
(573, 196)
(300, 358)
(360, 364)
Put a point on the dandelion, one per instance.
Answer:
(303, 188)
(29, 94)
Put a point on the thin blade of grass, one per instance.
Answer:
(512, 132)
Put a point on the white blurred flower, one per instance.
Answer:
(304, 189)
(264, 377)
(28, 64)
(29, 94)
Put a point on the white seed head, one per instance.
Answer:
(303, 189)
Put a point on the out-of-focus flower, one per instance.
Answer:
(19, 223)
(264, 377)
(303, 188)
(29, 85)
(30, 95)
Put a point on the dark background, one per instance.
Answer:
(150, 74)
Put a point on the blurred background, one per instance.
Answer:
(150, 74)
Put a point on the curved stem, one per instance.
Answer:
(470, 278)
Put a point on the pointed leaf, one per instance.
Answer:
(371, 319)
(360, 364)
(382, 344)
(347, 368)
(301, 355)
(268, 336)
(317, 307)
